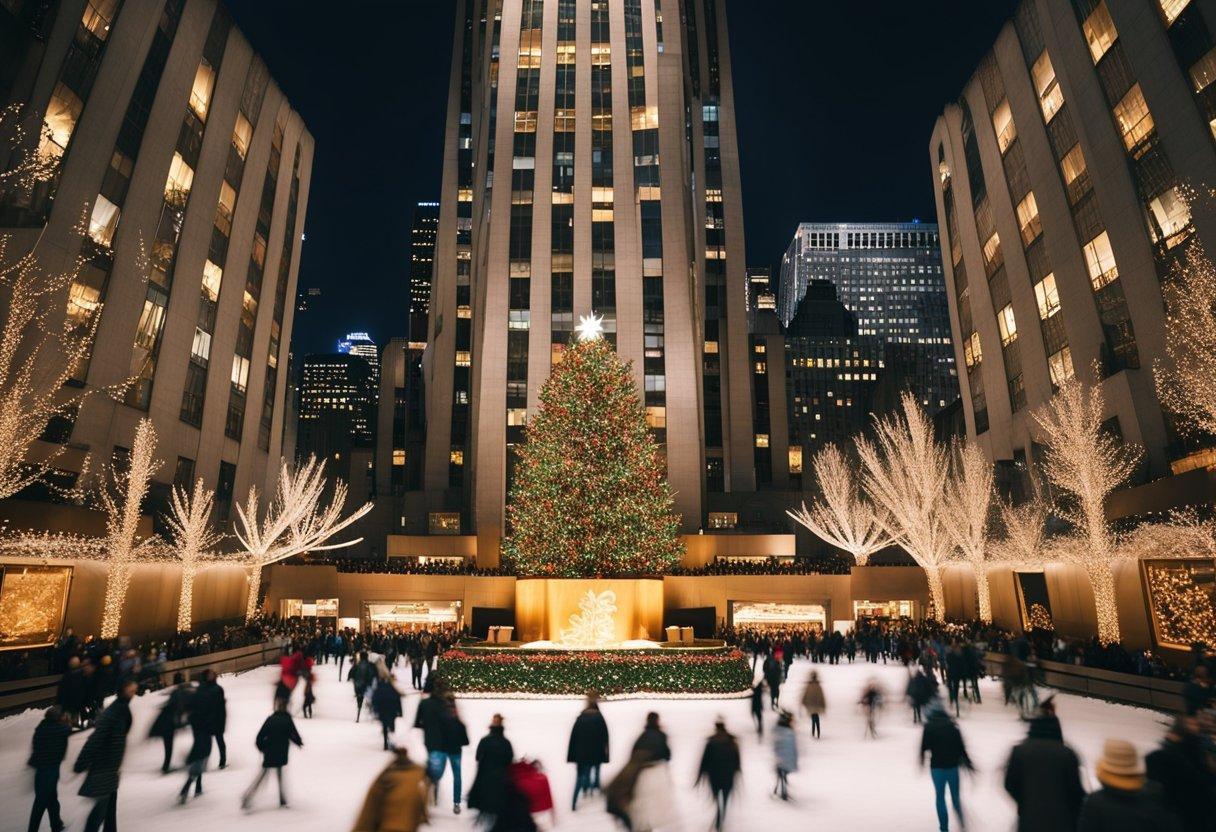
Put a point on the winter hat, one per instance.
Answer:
(1120, 766)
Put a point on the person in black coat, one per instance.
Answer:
(361, 675)
(72, 690)
(943, 742)
(758, 707)
(200, 752)
(494, 753)
(209, 700)
(588, 749)
(452, 739)
(172, 718)
(429, 719)
(1188, 785)
(386, 702)
(773, 677)
(1123, 804)
(1043, 777)
(102, 757)
(720, 766)
(274, 741)
(653, 740)
(49, 746)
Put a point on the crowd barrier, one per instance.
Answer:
(40, 691)
(1146, 691)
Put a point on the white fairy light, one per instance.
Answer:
(590, 327)
(1186, 382)
(905, 476)
(122, 505)
(968, 503)
(1025, 535)
(841, 516)
(191, 538)
(294, 521)
(1088, 463)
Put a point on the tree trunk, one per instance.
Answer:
(1102, 580)
(937, 594)
(255, 589)
(185, 600)
(118, 578)
(983, 595)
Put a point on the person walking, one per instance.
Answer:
(209, 700)
(813, 702)
(428, 718)
(871, 704)
(1187, 782)
(588, 749)
(386, 702)
(922, 687)
(200, 752)
(396, 801)
(773, 677)
(758, 707)
(48, 748)
(488, 794)
(653, 740)
(651, 806)
(720, 767)
(785, 752)
(1043, 777)
(274, 740)
(943, 742)
(172, 718)
(102, 757)
(361, 675)
(1122, 804)
(453, 738)
(413, 652)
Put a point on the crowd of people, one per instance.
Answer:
(768, 566)
(1171, 789)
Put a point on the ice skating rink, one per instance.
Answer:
(844, 782)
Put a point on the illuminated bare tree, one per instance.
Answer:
(1183, 533)
(841, 516)
(192, 538)
(905, 476)
(1186, 382)
(26, 167)
(295, 521)
(1086, 463)
(122, 503)
(966, 514)
(1025, 534)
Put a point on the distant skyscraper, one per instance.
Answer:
(337, 397)
(889, 275)
(592, 166)
(422, 267)
(362, 345)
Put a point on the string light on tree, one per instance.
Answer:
(841, 516)
(1085, 462)
(966, 511)
(905, 476)
(192, 537)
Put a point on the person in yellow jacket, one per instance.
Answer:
(396, 801)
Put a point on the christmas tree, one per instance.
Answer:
(590, 498)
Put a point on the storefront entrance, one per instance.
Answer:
(413, 615)
(774, 615)
(884, 609)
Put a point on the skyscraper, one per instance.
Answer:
(889, 275)
(592, 166)
(337, 396)
(423, 233)
(175, 142)
(1059, 176)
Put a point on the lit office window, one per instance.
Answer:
(1100, 31)
(1047, 86)
(1002, 123)
(1007, 324)
(1100, 259)
(1134, 119)
(1047, 296)
(1028, 219)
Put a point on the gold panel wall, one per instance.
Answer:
(543, 606)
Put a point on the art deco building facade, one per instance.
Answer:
(591, 166)
(423, 233)
(1059, 173)
(192, 173)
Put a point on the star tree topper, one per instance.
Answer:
(590, 327)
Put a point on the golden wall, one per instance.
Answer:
(543, 606)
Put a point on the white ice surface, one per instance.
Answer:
(845, 782)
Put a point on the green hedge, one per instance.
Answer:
(574, 672)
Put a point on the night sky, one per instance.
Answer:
(835, 103)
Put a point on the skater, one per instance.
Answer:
(414, 652)
(871, 704)
(720, 766)
(494, 754)
(396, 801)
(386, 702)
(1123, 804)
(947, 753)
(309, 697)
(1181, 769)
(772, 677)
(172, 718)
(274, 741)
(1043, 777)
(49, 746)
(209, 699)
(588, 749)
(453, 739)
(361, 675)
(200, 752)
(102, 757)
(653, 740)
(651, 806)
(428, 718)
(813, 702)
(921, 688)
(758, 707)
(785, 750)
